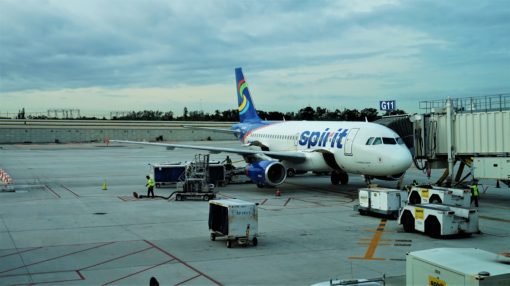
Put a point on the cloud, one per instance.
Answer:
(304, 52)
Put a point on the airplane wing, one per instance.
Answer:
(296, 157)
(220, 130)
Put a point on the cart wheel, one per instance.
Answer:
(255, 241)
(213, 236)
(178, 197)
(229, 243)
(205, 197)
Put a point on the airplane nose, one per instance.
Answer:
(402, 160)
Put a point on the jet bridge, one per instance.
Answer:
(474, 131)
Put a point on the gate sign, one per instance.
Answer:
(387, 105)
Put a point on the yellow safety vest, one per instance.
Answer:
(474, 190)
(150, 182)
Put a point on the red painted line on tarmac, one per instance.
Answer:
(187, 280)
(51, 190)
(57, 257)
(184, 263)
(110, 260)
(23, 251)
(137, 272)
(263, 202)
(75, 194)
(46, 282)
(287, 201)
(81, 275)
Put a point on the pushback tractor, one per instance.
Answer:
(438, 220)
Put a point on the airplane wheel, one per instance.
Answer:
(344, 178)
(408, 221)
(178, 197)
(335, 178)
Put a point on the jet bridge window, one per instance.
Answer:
(377, 141)
(370, 140)
(389, 141)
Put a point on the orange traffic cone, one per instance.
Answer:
(278, 193)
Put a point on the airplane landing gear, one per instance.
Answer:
(339, 177)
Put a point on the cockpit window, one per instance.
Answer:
(369, 141)
(389, 141)
(377, 141)
(400, 141)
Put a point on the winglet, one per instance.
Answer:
(247, 111)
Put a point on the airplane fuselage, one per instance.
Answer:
(354, 147)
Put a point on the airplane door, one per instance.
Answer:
(349, 140)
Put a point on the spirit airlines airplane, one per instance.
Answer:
(275, 149)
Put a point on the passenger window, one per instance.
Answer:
(369, 141)
(377, 141)
(400, 141)
(389, 141)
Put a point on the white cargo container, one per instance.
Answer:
(440, 195)
(381, 200)
(437, 220)
(456, 266)
(234, 219)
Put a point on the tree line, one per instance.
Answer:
(306, 113)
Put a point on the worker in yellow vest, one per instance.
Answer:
(474, 192)
(150, 186)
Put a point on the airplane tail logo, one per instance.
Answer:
(247, 111)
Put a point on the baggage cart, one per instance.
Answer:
(381, 201)
(456, 266)
(234, 219)
(167, 174)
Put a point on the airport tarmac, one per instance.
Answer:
(61, 228)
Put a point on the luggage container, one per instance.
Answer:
(216, 174)
(234, 219)
(456, 266)
(381, 201)
(438, 220)
(440, 195)
(168, 173)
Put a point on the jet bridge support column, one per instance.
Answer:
(449, 139)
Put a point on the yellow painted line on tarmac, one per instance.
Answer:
(372, 246)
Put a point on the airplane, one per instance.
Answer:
(274, 150)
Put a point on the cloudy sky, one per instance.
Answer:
(102, 56)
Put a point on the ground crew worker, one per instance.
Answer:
(228, 164)
(150, 186)
(474, 192)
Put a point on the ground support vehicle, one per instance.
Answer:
(439, 220)
(194, 189)
(381, 201)
(439, 195)
(456, 266)
(234, 219)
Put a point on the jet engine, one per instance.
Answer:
(266, 172)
